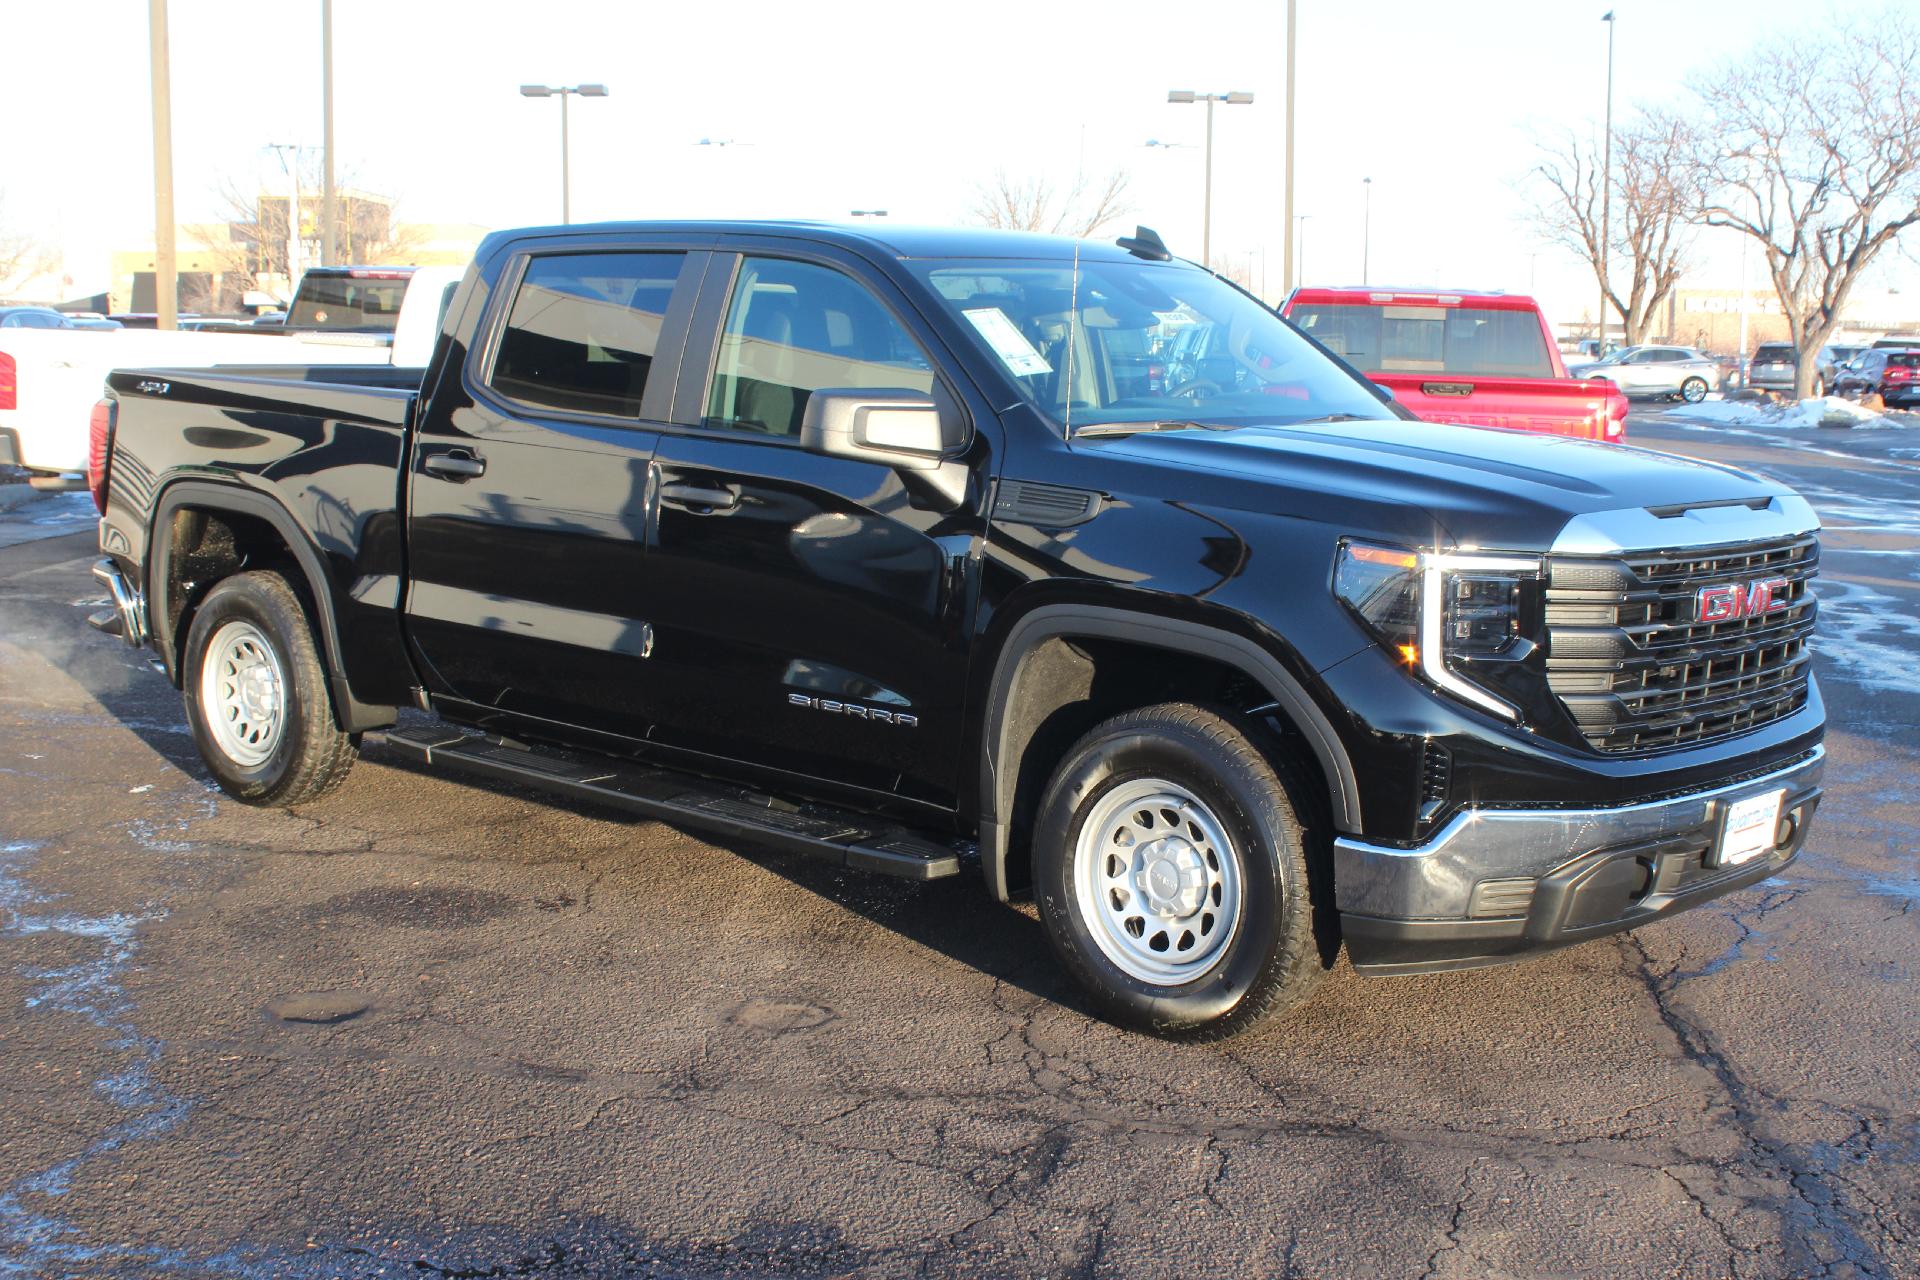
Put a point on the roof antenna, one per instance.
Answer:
(1146, 243)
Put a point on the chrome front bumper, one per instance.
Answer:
(1495, 883)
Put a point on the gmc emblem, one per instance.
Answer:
(1733, 600)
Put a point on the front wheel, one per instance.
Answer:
(1173, 875)
(256, 695)
(1693, 390)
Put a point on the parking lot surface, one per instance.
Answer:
(428, 1028)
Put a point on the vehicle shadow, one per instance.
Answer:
(954, 917)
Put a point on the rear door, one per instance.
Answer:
(529, 486)
(811, 610)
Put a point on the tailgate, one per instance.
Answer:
(1589, 409)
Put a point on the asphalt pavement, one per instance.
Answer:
(428, 1028)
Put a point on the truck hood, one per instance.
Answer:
(1512, 490)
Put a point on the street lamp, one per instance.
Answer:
(1300, 231)
(1606, 190)
(1366, 229)
(564, 92)
(1206, 207)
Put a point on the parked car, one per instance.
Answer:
(1894, 376)
(1774, 364)
(844, 540)
(1481, 359)
(33, 318)
(50, 380)
(1845, 353)
(1681, 372)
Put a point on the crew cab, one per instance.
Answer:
(49, 378)
(878, 545)
(1481, 359)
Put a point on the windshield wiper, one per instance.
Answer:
(1134, 428)
(1336, 417)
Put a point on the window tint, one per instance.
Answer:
(583, 329)
(1773, 351)
(1415, 339)
(1905, 359)
(794, 328)
(348, 304)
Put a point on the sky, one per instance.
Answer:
(909, 107)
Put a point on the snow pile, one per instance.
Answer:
(1821, 411)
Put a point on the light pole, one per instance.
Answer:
(1606, 188)
(1286, 208)
(1366, 229)
(1206, 204)
(564, 92)
(166, 279)
(1300, 259)
(329, 249)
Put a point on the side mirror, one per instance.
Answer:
(894, 428)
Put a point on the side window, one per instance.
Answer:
(793, 328)
(582, 331)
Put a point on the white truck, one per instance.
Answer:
(50, 378)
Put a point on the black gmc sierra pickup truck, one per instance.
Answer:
(909, 549)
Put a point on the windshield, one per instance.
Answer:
(1404, 338)
(348, 304)
(1143, 342)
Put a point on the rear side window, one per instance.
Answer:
(1415, 339)
(583, 329)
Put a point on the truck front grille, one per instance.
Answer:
(1638, 670)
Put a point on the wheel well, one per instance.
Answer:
(1067, 684)
(208, 545)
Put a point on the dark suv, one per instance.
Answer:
(1894, 376)
(875, 544)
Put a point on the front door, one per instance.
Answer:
(810, 610)
(528, 500)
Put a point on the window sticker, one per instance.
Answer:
(1008, 342)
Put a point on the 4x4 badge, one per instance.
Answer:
(1733, 600)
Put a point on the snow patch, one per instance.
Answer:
(1816, 412)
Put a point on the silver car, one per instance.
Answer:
(1774, 363)
(1657, 371)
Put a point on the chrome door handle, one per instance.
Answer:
(700, 499)
(456, 464)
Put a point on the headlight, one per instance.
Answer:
(1441, 613)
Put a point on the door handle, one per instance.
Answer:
(700, 499)
(456, 464)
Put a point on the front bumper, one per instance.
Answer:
(1495, 884)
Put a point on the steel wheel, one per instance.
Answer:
(243, 692)
(1693, 390)
(1158, 881)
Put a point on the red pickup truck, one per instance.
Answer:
(1482, 359)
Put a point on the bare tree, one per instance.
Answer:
(1032, 204)
(22, 255)
(1812, 147)
(251, 242)
(1650, 210)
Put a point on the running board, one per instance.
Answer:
(851, 840)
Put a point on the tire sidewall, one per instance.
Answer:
(237, 598)
(1691, 383)
(1246, 813)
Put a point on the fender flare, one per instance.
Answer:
(1065, 620)
(354, 716)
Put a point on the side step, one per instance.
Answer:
(846, 839)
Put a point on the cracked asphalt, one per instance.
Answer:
(425, 1028)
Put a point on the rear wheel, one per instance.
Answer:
(1173, 875)
(256, 695)
(1693, 390)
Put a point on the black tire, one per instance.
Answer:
(1693, 390)
(1286, 936)
(310, 756)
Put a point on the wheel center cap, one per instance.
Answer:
(1172, 878)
